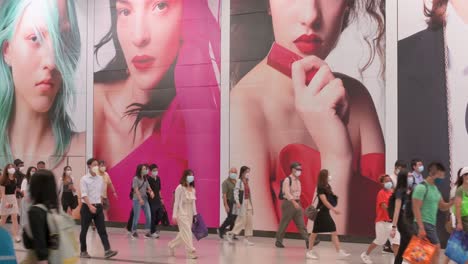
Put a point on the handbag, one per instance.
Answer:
(199, 228)
(311, 211)
(457, 247)
(419, 251)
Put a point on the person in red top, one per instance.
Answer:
(383, 222)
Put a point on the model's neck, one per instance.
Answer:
(461, 7)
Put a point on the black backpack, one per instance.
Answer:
(408, 210)
(281, 193)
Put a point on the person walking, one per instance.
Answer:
(461, 201)
(107, 183)
(26, 202)
(68, 191)
(92, 210)
(228, 200)
(324, 223)
(156, 202)
(427, 199)
(291, 208)
(141, 189)
(9, 202)
(417, 167)
(185, 210)
(383, 223)
(243, 208)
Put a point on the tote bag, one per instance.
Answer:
(419, 251)
(457, 247)
(199, 228)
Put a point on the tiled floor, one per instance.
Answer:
(212, 250)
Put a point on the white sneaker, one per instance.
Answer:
(311, 255)
(248, 243)
(155, 235)
(365, 258)
(343, 254)
(228, 237)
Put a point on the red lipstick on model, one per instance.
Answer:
(308, 44)
(143, 62)
(282, 59)
(45, 85)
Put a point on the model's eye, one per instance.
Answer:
(123, 12)
(161, 6)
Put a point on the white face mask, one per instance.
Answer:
(68, 172)
(11, 171)
(297, 173)
(247, 176)
(329, 178)
(155, 173)
(95, 169)
(102, 169)
(397, 171)
(21, 169)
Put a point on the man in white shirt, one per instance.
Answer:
(92, 209)
(291, 208)
(417, 168)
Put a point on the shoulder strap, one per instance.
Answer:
(290, 181)
(427, 190)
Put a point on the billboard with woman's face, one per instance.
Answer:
(332, 122)
(42, 96)
(157, 94)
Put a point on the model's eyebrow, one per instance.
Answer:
(124, 2)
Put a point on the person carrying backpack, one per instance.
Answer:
(291, 209)
(427, 200)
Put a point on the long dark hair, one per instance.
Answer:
(64, 175)
(5, 180)
(257, 39)
(183, 180)
(43, 189)
(139, 169)
(116, 70)
(243, 171)
(402, 180)
(28, 174)
(323, 181)
(460, 178)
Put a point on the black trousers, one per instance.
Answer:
(230, 219)
(156, 215)
(405, 227)
(98, 218)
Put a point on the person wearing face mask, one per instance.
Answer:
(20, 175)
(383, 222)
(141, 191)
(185, 210)
(91, 210)
(291, 208)
(228, 187)
(243, 208)
(107, 183)
(418, 167)
(427, 200)
(67, 188)
(26, 203)
(324, 223)
(9, 203)
(156, 202)
(399, 165)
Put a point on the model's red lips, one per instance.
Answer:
(308, 44)
(45, 85)
(143, 62)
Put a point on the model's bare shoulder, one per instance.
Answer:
(356, 91)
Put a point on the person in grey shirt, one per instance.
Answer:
(141, 190)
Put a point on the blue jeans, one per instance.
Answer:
(136, 213)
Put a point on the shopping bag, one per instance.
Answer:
(419, 251)
(199, 228)
(457, 247)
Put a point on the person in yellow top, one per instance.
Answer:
(107, 183)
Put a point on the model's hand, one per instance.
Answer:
(336, 211)
(325, 96)
(142, 202)
(422, 232)
(393, 233)
(92, 209)
(296, 205)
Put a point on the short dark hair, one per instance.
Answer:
(43, 189)
(41, 163)
(414, 162)
(90, 161)
(101, 162)
(18, 162)
(294, 165)
(382, 177)
(153, 166)
(435, 166)
(401, 163)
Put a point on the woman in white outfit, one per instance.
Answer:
(9, 203)
(183, 214)
(26, 201)
(243, 208)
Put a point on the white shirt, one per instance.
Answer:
(457, 80)
(25, 188)
(91, 187)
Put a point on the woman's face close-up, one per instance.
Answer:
(149, 33)
(308, 27)
(30, 54)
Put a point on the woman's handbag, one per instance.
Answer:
(457, 247)
(199, 228)
(311, 211)
(419, 251)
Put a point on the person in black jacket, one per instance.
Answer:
(156, 203)
(43, 190)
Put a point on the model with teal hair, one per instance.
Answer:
(59, 32)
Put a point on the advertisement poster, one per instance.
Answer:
(432, 99)
(275, 120)
(43, 83)
(157, 96)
